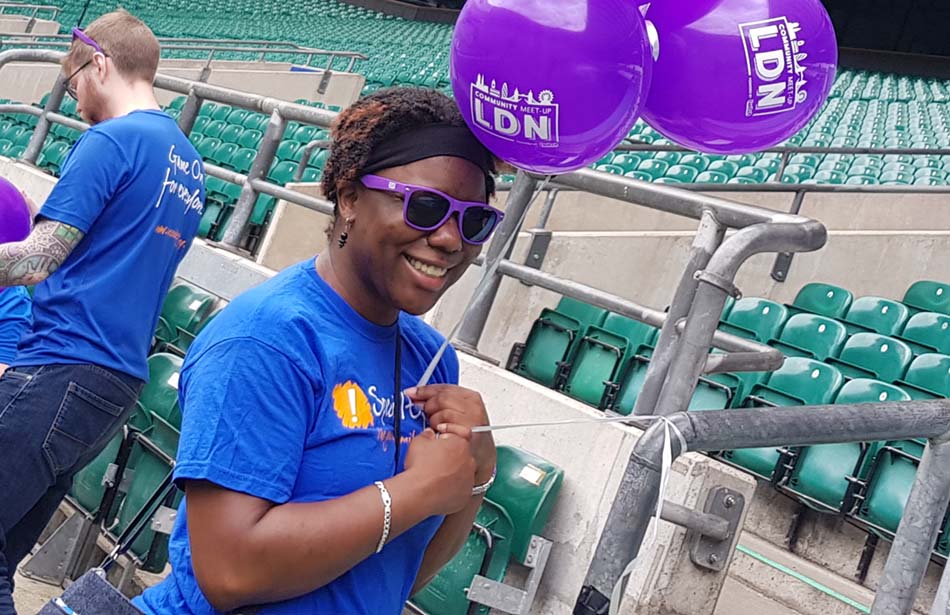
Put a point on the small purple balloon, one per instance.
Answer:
(550, 86)
(14, 214)
(739, 76)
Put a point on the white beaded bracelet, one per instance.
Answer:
(387, 514)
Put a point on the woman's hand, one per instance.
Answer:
(452, 409)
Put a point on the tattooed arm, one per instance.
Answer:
(34, 259)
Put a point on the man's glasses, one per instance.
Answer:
(79, 35)
(426, 209)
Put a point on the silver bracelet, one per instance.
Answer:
(387, 514)
(484, 487)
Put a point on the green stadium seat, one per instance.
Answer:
(311, 175)
(699, 162)
(187, 338)
(255, 121)
(222, 154)
(726, 167)
(871, 355)
(184, 308)
(237, 117)
(221, 113)
(928, 296)
(512, 517)
(552, 339)
(755, 175)
(927, 332)
(287, 149)
(755, 318)
(877, 314)
(159, 397)
(670, 158)
(231, 133)
(177, 103)
(208, 146)
(305, 134)
(830, 177)
(682, 173)
(711, 177)
(811, 336)
(823, 299)
(888, 485)
(283, 172)
(242, 160)
(613, 169)
(628, 161)
(928, 377)
(821, 475)
(798, 382)
(214, 129)
(208, 109)
(654, 168)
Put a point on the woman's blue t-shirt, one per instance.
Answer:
(288, 396)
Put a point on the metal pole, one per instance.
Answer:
(259, 169)
(190, 112)
(35, 146)
(704, 523)
(548, 208)
(916, 534)
(716, 283)
(708, 238)
(941, 605)
(519, 200)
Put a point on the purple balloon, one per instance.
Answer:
(14, 214)
(739, 76)
(550, 86)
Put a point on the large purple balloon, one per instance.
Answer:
(14, 214)
(550, 86)
(738, 76)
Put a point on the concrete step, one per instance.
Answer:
(755, 583)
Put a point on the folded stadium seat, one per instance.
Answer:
(512, 518)
(627, 161)
(927, 332)
(830, 177)
(654, 168)
(639, 176)
(754, 174)
(595, 365)
(871, 355)
(861, 180)
(769, 163)
(255, 121)
(884, 316)
(221, 113)
(799, 382)
(553, 337)
(178, 103)
(159, 397)
(884, 495)
(88, 486)
(822, 299)
(184, 308)
(208, 146)
(610, 168)
(682, 173)
(148, 473)
(821, 476)
(208, 109)
(728, 168)
(223, 153)
(250, 139)
(811, 336)
(237, 117)
(287, 149)
(699, 162)
(606, 159)
(711, 177)
(809, 160)
(242, 160)
(837, 166)
(896, 178)
(214, 128)
(670, 158)
(5, 146)
(928, 296)
(305, 134)
(187, 338)
(755, 318)
(282, 172)
(928, 377)
(231, 133)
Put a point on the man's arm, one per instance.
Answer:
(34, 259)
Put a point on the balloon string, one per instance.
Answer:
(482, 287)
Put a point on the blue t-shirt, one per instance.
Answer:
(134, 185)
(288, 396)
(15, 317)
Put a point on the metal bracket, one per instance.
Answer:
(540, 241)
(51, 563)
(510, 599)
(783, 261)
(711, 553)
(719, 282)
(163, 521)
(325, 82)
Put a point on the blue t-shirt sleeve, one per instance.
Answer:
(15, 318)
(246, 412)
(93, 171)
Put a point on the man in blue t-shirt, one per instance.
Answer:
(102, 255)
(15, 318)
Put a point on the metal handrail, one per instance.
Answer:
(37, 8)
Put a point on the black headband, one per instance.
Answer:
(429, 141)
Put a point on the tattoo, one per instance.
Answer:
(35, 258)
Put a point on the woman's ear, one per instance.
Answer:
(347, 196)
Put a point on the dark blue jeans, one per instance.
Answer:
(54, 420)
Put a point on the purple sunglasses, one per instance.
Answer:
(82, 37)
(426, 209)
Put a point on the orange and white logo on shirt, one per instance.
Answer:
(352, 406)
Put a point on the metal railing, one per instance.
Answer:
(32, 11)
(212, 48)
(688, 331)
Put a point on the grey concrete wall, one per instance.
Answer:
(295, 233)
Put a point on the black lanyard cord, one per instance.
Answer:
(397, 398)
